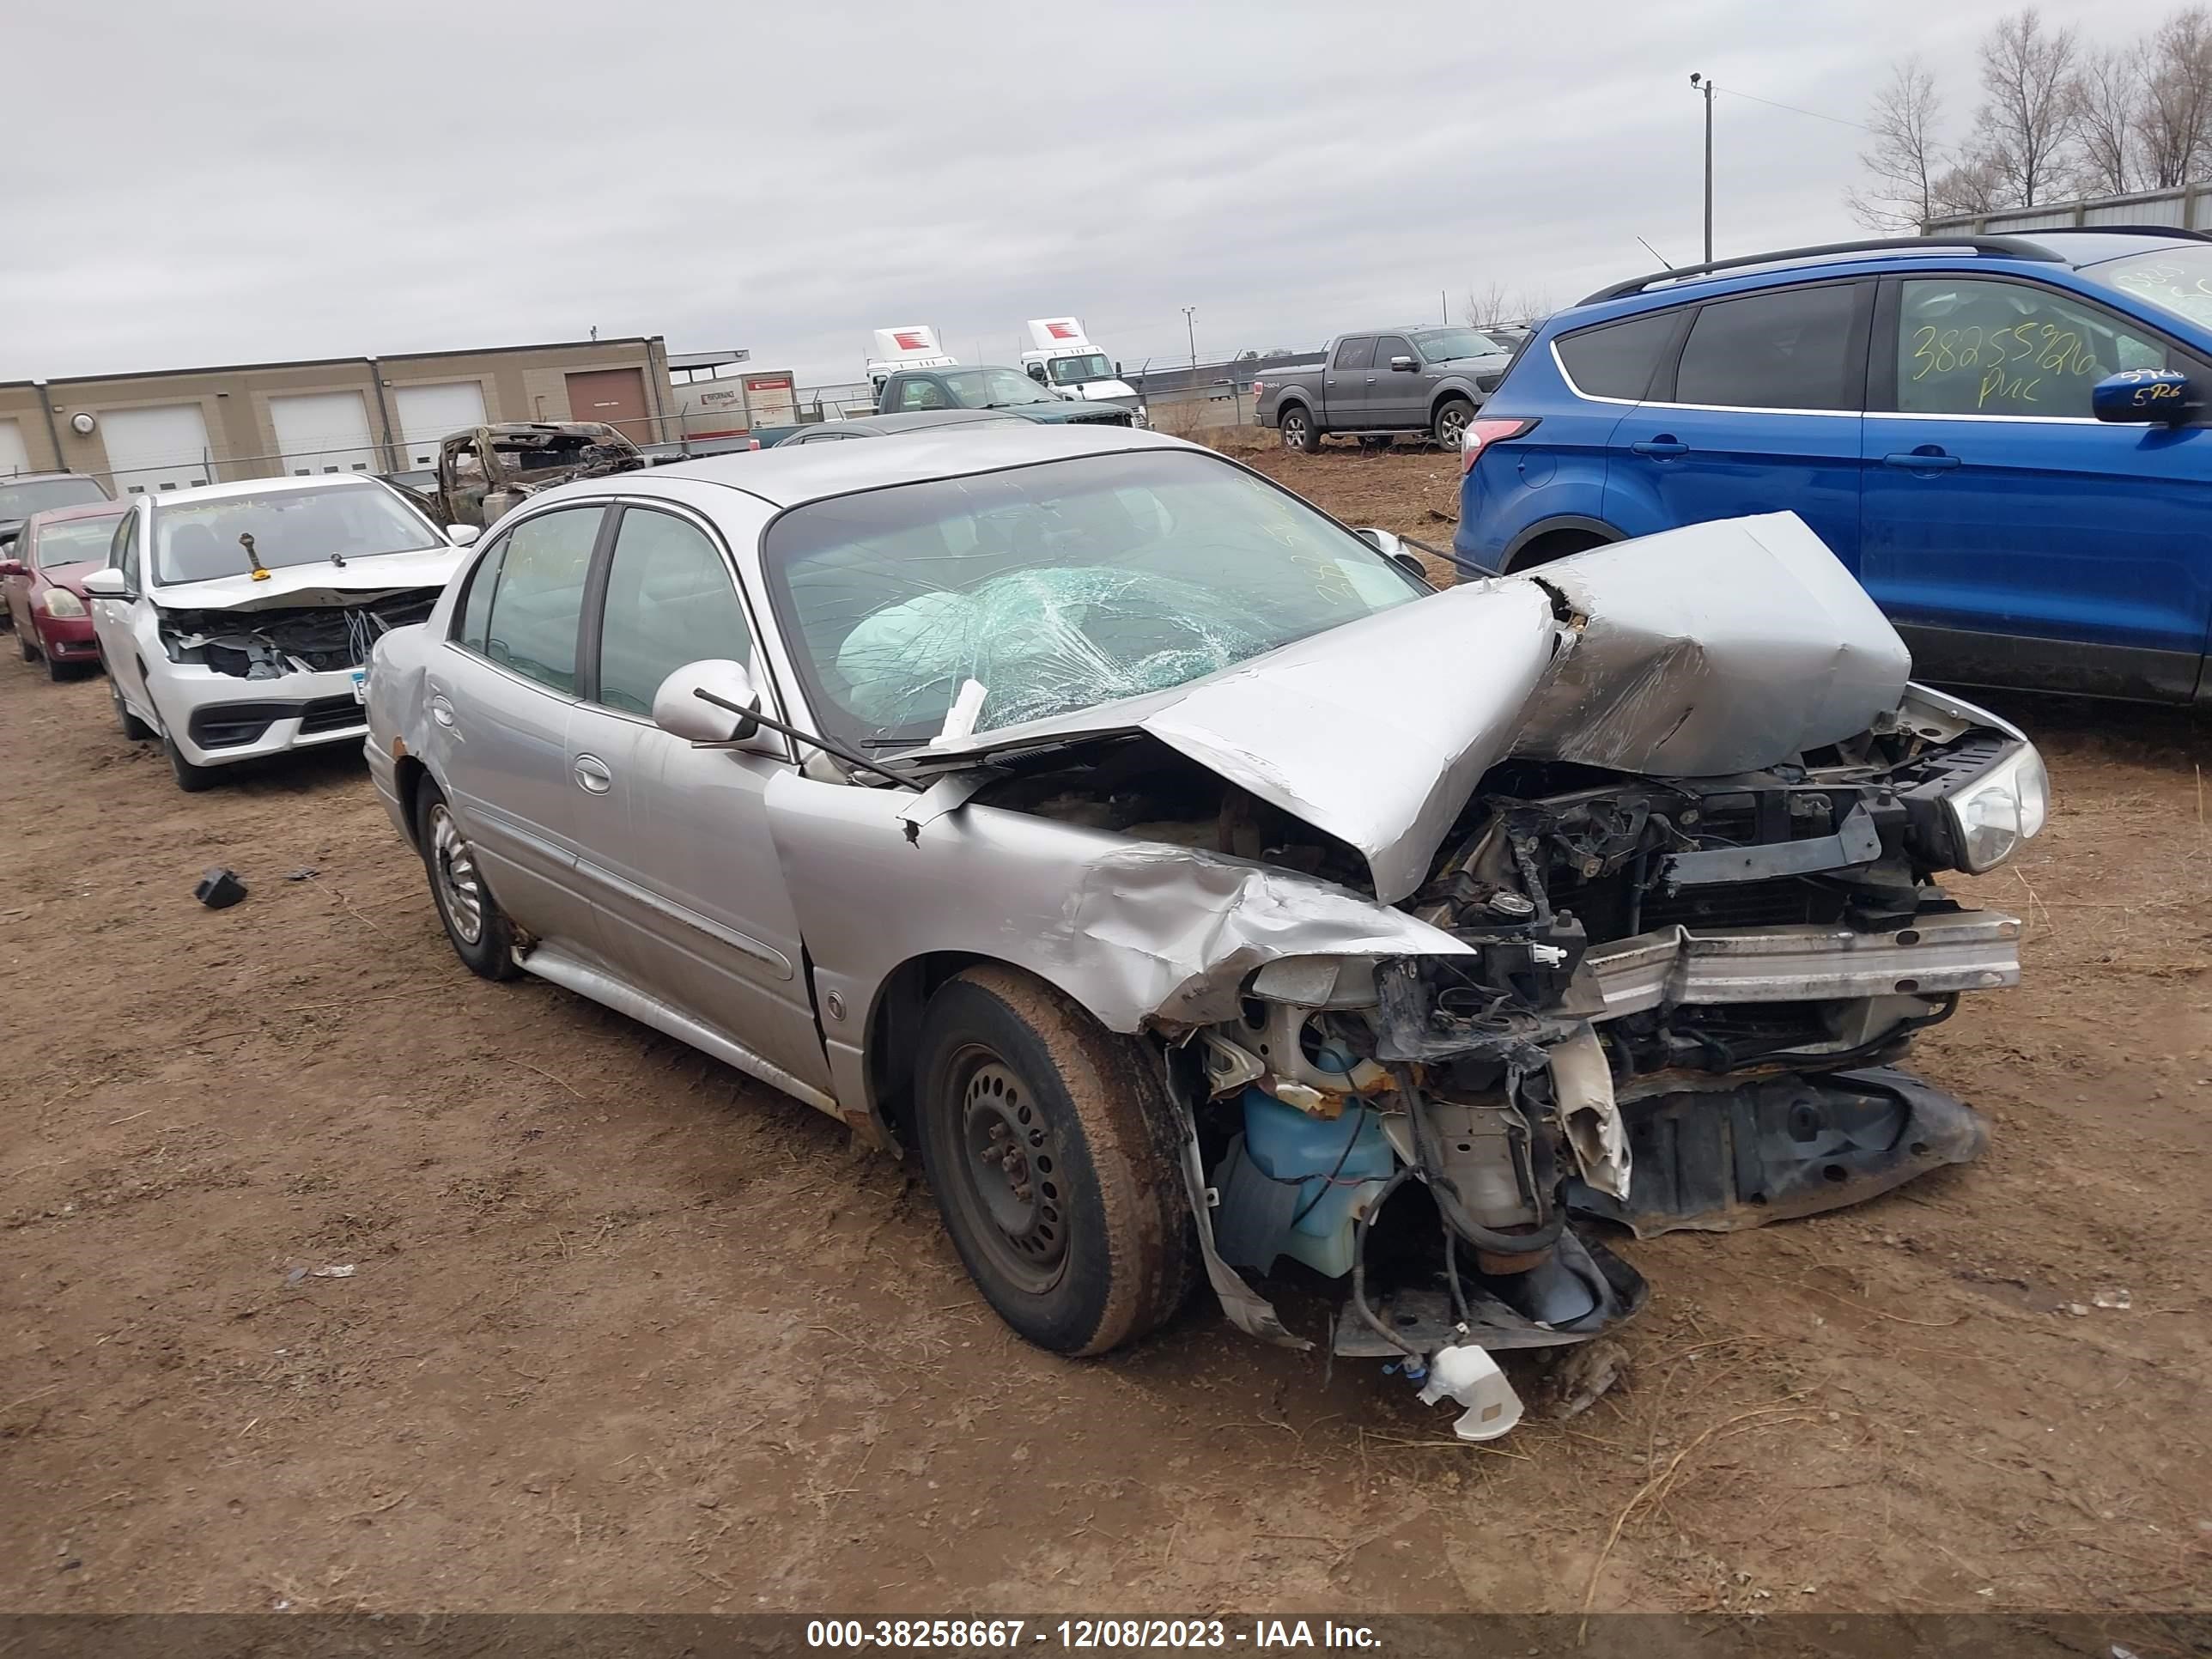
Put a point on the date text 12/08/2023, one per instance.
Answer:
(1017, 1635)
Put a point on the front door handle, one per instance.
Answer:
(442, 711)
(1926, 459)
(1662, 445)
(591, 773)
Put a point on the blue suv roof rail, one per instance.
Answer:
(2174, 231)
(2001, 247)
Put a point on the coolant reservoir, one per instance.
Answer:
(1289, 1145)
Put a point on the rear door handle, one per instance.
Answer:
(1660, 447)
(591, 773)
(1930, 460)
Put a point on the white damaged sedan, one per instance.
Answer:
(1204, 895)
(235, 621)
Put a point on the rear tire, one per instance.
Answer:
(55, 671)
(191, 778)
(1452, 417)
(1051, 1148)
(479, 930)
(1299, 432)
(23, 644)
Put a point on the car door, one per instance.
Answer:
(1760, 413)
(673, 841)
(502, 690)
(2013, 539)
(113, 619)
(1347, 384)
(1398, 396)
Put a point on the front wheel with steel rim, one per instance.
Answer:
(480, 932)
(1451, 422)
(1299, 432)
(1051, 1150)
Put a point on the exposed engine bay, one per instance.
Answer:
(1678, 1008)
(269, 643)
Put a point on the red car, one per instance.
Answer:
(42, 577)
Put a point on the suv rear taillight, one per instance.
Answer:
(1485, 430)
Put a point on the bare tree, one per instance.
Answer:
(1487, 304)
(2108, 96)
(2022, 132)
(1970, 186)
(2173, 118)
(1905, 159)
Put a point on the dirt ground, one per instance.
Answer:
(625, 1330)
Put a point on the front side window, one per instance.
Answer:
(1618, 360)
(922, 394)
(1389, 346)
(1785, 348)
(1970, 346)
(199, 540)
(669, 601)
(74, 541)
(1056, 587)
(1358, 352)
(533, 602)
(125, 551)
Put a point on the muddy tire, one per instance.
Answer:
(133, 728)
(191, 778)
(1299, 432)
(1051, 1150)
(23, 644)
(58, 671)
(479, 930)
(1452, 417)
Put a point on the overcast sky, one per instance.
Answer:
(231, 183)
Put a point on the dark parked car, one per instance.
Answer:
(2004, 438)
(1379, 384)
(27, 493)
(910, 390)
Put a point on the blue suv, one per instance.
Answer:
(2005, 438)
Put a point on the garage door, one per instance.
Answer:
(165, 447)
(319, 432)
(429, 413)
(615, 396)
(14, 458)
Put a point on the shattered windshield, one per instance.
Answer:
(197, 541)
(1075, 371)
(1053, 587)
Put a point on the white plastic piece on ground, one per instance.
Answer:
(1468, 1375)
(1582, 1083)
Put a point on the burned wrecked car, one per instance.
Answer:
(234, 622)
(484, 471)
(1200, 893)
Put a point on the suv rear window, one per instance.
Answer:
(1618, 360)
(1785, 349)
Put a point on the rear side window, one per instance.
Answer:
(536, 596)
(1356, 353)
(1787, 349)
(1618, 359)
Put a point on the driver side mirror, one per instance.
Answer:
(1036, 372)
(14, 568)
(107, 584)
(1393, 549)
(461, 534)
(680, 711)
(1401, 365)
(2161, 397)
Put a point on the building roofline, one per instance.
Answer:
(326, 362)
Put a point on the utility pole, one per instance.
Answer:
(1705, 83)
(1190, 331)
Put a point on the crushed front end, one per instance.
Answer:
(1680, 1006)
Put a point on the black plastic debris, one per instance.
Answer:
(219, 889)
(305, 873)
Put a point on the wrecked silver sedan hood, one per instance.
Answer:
(1715, 648)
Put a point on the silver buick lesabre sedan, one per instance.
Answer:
(1200, 892)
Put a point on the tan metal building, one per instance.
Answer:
(179, 427)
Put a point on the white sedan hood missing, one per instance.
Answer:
(356, 582)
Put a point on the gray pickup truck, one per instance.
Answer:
(1374, 386)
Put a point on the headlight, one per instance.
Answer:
(1992, 815)
(60, 602)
